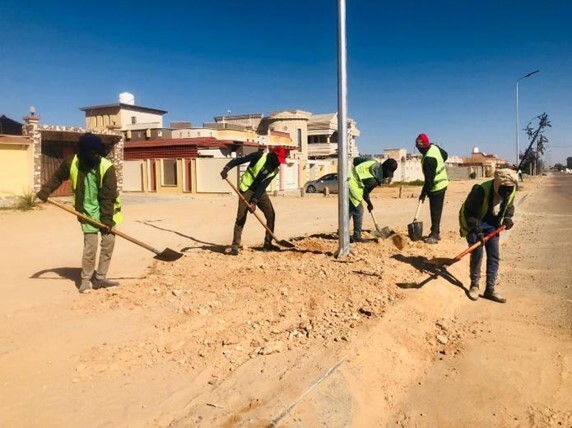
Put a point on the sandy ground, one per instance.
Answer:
(295, 338)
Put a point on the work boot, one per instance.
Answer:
(354, 239)
(433, 239)
(104, 283)
(269, 246)
(85, 286)
(473, 292)
(234, 251)
(491, 294)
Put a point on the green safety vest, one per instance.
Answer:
(488, 188)
(356, 186)
(441, 179)
(104, 165)
(252, 172)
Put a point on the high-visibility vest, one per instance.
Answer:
(488, 188)
(104, 165)
(441, 179)
(252, 172)
(356, 186)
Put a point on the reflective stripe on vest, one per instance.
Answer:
(104, 165)
(251, 173)
(356, 186)
(488, 188)
(441, 179)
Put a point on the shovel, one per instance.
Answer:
(415, 229)
(281, 242)
(441, 263)
(386, 232)
(167, 255)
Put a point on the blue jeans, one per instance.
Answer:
(356, 213)
(493, 257)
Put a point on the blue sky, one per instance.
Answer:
(446, 68)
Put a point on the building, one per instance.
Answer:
(482, 164)
(323, 136)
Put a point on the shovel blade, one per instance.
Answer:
(286, 244)
(168, 255)
(415, 230)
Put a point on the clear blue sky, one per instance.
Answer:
(446, 68)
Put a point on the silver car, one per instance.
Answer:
(329, 180)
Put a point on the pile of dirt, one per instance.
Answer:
(211, 310)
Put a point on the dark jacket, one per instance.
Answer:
(430, 170)
(473, 205)
(261, 181)
(106, 196)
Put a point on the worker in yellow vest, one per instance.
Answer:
(94, 185)
(436, 182)
(488, 206)
(365, 175)
(261, 171)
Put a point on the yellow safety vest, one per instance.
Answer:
(356, 186)
(441, 180)
(488, 188)
(104, 165)
(251, 173)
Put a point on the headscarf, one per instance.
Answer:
(503, 177)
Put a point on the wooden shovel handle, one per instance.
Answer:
(417, 212)
(103, 226)
(479, 243)
(241, 196)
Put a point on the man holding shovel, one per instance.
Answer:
(488, 206)
(365, 176)
(262, 169)
(436, 182)
(94, 186)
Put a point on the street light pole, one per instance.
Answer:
(517, 125)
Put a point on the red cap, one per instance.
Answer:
(422, 141)
(280, 153)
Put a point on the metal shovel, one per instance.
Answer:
(386, 232)
(167, 255)
(281, 242)
(415, 229)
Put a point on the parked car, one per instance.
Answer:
(329, 180)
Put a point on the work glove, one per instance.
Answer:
(108, 226)
(252, 206)
(422, 197)
(43, 195)
(369, 206)
(224, 173)
(474, 226)
(481, 237)
(508, 223)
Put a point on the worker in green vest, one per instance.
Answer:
(488, 206)
(436, 182)
(365, 175)
(262, 169)
(94, 185)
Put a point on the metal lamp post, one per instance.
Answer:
(517, 125)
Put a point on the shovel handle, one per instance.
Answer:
(479, 243)
(241, 196)
(417, 212)
(101, 225)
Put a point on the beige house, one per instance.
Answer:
(16, 166)
(323, 136)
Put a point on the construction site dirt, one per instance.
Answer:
(294, 338)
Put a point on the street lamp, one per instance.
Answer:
(517, 125)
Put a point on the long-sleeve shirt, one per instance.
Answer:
(369, 183)
(262, 180)
(430, 170)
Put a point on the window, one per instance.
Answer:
(133, 120)
(169, 172)
(299, 137)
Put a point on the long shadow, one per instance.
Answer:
(71, 273)
(210, 246)
(434, 271)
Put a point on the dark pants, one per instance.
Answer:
(265, 206)
(436, 202)
(356, 214)
(493, 258)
